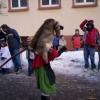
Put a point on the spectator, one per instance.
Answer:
(76, 40)
(14, 45)
(89, 43)
(30, 57)
(56, 42)
(62, 45)
(4, 55)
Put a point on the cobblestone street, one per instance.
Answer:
(23, 87)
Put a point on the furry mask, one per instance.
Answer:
(44, 36)
(90, 25)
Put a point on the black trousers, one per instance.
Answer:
(63, 49)
(50, 73)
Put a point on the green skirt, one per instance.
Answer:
(43, 81)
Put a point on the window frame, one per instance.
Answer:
(84, 4)
(50, 6)
(17, 9)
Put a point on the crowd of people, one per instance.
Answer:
(10, 44)
(90, 40)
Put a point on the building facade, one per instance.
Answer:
(26, 16)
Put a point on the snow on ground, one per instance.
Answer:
(70, 63)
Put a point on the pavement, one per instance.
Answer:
(69, 87)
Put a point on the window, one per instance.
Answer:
(49, 4)
(18, 5)
(84, 3)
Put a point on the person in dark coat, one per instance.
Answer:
(2, 35)
(14, 45)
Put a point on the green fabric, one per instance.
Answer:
(43, 82)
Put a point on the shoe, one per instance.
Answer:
(45, 97)
(18, 71)
(94, 70)
(85, 69)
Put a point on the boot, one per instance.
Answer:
(45, 97)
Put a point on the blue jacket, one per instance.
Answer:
(56, 41)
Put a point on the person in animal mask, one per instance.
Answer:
(41, 44)
(90, 39)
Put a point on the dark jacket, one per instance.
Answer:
(56, 41)
(2, 36)
(13, 39)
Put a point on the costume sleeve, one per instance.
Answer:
(82, 25)
(53, 54)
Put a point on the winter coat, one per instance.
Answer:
(76, 39)
(56, 41)
(91, 37)
(2, 36)
(62, 43)
(13, 39)
(38, 60)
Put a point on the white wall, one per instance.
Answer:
(27, 23)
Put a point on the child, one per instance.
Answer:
(76, 40)
(30, 61)
(56, 42)
(30, 57)
(4, 55)
(62, 44)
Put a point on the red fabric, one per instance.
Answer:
(53, 54)
(91, 37)
(76, 41)
(82, 25)
(98, 48)
(38, 61)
